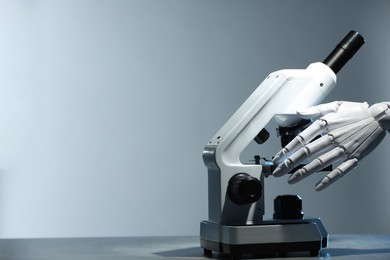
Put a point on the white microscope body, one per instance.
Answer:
(236, 200)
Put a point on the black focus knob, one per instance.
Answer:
(244, 189)
(288, 207)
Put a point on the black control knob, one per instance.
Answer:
(288, 207)
(244, 189)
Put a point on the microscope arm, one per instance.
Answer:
(349, 130)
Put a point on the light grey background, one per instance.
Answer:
(105, 107)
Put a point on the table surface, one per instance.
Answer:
(340, 247)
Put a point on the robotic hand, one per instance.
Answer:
(349, 130)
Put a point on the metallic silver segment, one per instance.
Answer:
(269, 232)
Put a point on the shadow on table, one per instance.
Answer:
(353, 251)
(184, 252)
(352, 245)
(197, 253)
(192, 252)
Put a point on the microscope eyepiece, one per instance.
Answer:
(344, 51)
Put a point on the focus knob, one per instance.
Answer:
(244, 189)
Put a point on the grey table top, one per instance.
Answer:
(341, 247)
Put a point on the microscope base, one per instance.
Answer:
(269, 237)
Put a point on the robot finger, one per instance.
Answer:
(317, 164)
(315, 129)
(320, 110)
(314, 149)
(319, 146)
(283, 168)
(336, 174)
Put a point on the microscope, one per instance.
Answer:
(236, 223)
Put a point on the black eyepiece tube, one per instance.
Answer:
(344, 51)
